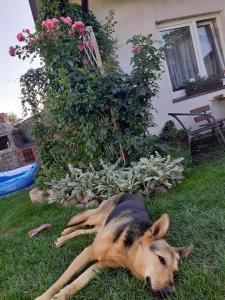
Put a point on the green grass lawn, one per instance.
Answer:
(197, 211)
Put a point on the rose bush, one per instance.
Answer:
(55, 33)
(91, 115)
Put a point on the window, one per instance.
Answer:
(180, 56)
(192, 49)
(4, 142)
(210, 50)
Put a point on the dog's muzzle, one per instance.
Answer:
(167, 291)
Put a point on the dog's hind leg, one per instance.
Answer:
(63, 239)
(82, 217)
(78, 221)
(85, 257)
(78, 283)
(92, 217)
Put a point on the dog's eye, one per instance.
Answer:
(162, 260)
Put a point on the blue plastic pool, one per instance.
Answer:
(15, 180)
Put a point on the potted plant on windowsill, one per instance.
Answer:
(200, 85)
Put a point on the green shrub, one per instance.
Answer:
(90, 115)
(171, 134)
(144, 175)
(176, 142)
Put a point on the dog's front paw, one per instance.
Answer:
(67, 231)
(60, 242)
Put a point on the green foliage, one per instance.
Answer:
(171, 134)
(109, 113)
(58, 8)
(144, 175)
(33, 85)
(90, 115)
(175, 140)
(201, 83)
(168, 132)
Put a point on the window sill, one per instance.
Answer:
(197, 95)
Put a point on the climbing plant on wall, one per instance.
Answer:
(91, 115)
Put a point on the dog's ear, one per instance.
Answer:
(158, 230)
(183, 251)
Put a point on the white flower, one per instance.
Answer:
(192, 80)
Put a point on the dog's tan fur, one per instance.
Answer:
(142, 258)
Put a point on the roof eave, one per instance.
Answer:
(34, 4)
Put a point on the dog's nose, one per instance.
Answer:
(160, 293)
(168, 290)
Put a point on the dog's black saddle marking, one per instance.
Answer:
(130, 207)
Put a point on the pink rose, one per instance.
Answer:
(81, 31)
(12, 51)
(55, 21)
(136, 49)
(79, 25)
(81, 47)
(49, 23)
(20, 37)
(43, 24)
(67, 20)
(27, 30)
(35, 39)
(74, 26)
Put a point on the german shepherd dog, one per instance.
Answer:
(125, 237)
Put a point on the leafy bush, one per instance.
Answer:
(145, 176)
(175, 140)
(171, 134)
(91, 115)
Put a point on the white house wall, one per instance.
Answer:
(141, 16)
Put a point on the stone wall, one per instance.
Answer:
(13, 158)
(22, 149)
(9, 160)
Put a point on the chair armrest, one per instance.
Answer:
(175, 116)
(208, 116)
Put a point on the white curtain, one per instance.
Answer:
(180, 56)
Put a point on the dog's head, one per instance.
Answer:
(156, 261)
